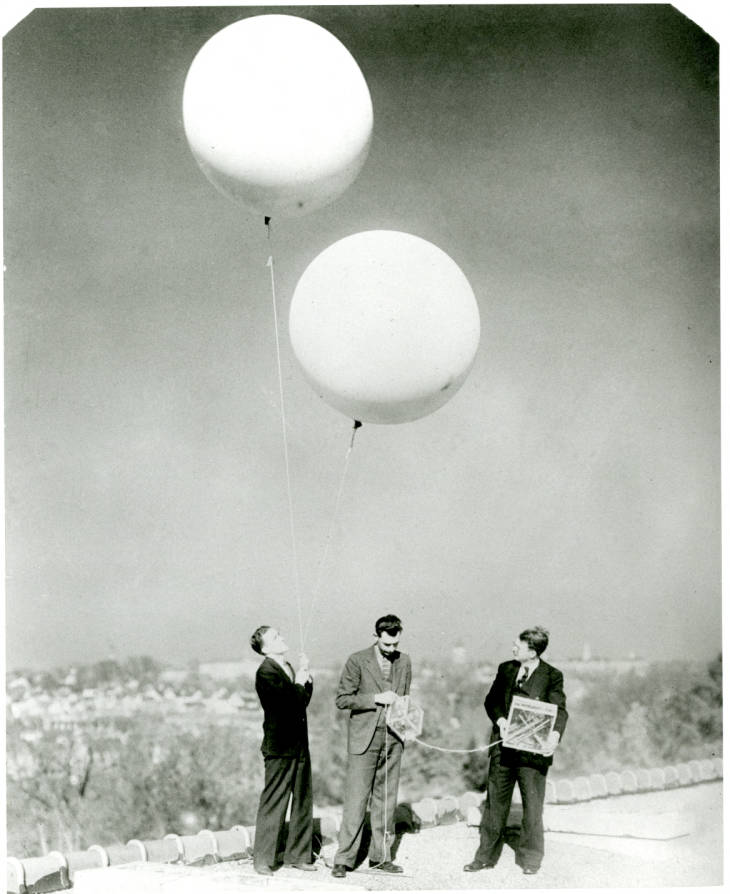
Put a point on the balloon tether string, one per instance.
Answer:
(457, 750)
(335, 516)
(270, 265)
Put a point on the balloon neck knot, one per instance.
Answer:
(357, 424)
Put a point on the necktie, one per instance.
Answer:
(523, 676)
(290, 670)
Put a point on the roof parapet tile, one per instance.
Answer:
(88, 859)
(643, 779)
(613, 783)
(598, 786)
(47, 873)
(657, 778)
(447, 810)
(695, 768)
(629, 782)
(54, 871)
(468, 800)
(232, 844)
(159, 850)
(582, 788)
(565, 793)
(425, 810)
(685, 774)
(473, 816)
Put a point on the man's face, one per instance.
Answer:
(388, 644)
(273, 643)
(522, 652)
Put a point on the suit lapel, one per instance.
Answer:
(535, 683)
(512, 672)
(280, 669)
(371, 663)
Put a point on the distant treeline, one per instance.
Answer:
(142, 777)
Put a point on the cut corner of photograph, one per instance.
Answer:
(362, 371)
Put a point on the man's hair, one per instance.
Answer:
(257, 638)
(390, 624)
(536, 638)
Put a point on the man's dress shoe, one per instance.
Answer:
(476, 865)
(527, 870)
(263, 869)
(339, 871)
(386, 867)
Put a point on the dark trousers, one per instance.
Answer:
(530, 846)
(366, 777)
(285, 777)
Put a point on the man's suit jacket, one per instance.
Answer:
(360, 681)
(545, 684)
(285, 710)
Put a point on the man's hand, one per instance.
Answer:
(551, 743)
(385, 698)
(502, 725)
(303, 676)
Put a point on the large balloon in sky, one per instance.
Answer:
(277, 114)
(385, 326)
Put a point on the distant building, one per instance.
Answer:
(604, 665)
(173, 675)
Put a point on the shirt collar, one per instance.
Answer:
(380, 658)
(283, 664)
(531, 667)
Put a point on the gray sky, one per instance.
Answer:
(565, 157)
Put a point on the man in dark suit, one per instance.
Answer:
(371, 680)
(284, 696)
(529, 676)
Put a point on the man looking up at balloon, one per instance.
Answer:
(284, 695)
(371, 680)
(527, 675)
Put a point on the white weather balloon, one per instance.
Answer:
(385, 326)
(277, 114)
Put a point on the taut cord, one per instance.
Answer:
(335, 517)
(458, 750)
(295, 563)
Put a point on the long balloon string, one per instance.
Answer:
(386, 850)
(295, 563)
(425, 745)
(333, 522)
(457, 750)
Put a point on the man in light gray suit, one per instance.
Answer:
(370, 681)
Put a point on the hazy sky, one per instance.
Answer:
(565, 157)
